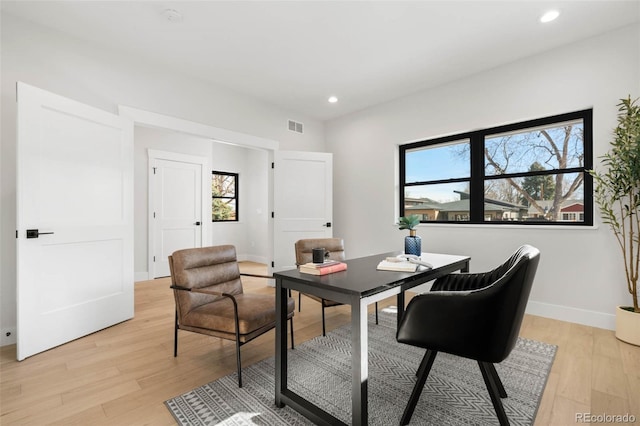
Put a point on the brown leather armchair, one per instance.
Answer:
(210, 300)
(304, 254)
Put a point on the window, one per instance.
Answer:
(224, 197)
(534, 172)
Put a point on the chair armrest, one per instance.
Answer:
(201, 291)
(256, 275)
(228, 296)
(177, 287)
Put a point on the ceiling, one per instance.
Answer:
(295, 54)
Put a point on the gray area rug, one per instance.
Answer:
(320, 371)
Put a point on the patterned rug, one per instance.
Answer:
(320, 371)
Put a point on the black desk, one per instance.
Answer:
(360, 285)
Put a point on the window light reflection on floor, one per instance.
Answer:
(391, 309)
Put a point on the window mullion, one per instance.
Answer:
(476, 186)
(403, 153)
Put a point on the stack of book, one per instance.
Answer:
(325, 268)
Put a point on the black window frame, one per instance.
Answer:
(478, 178)
(236, 177)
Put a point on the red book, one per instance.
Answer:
(322, 269)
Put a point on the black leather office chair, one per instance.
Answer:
(472, 315)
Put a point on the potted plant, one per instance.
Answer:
(412, 242)
(617, 195)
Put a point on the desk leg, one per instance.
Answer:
(281, 341)
(465, 268)
(359, 362)
(400, 308)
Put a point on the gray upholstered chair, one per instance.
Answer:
(210, 299)
(334, 248)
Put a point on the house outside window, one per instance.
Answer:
(224, 197)
(533, 172)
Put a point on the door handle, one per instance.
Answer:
(34, 233)
(197, 223)
(328, 224)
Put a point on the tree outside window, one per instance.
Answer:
(224, 196)
(552, 157)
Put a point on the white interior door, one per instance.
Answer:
(176, 186)
(303, 201)
(74, 220)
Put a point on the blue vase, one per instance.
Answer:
(413, 245)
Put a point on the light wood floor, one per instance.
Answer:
(122, 375)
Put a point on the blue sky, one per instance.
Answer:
(444, 162)
(517, 150)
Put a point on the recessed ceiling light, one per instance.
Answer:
(549, 16)
(332, 99)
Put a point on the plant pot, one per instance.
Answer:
(628, 325)
(413, 245)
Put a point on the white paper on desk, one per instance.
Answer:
(386, 265)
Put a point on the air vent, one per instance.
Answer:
(294, 126)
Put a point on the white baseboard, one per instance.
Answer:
(252, 258)
(558, 312)
(575, 315)
(10, 339)
(141, 276)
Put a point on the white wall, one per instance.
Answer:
(105, 79)
(254, 206)
(580, 275)
(249, 234)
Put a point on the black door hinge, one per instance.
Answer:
(273, 264)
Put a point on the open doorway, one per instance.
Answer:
(173, 198)
(250, 157)
(259, 237)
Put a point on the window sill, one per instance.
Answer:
(509, 226)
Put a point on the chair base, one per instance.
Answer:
(238, 345)
(489, 374)
(488, 371)
(423, 373)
